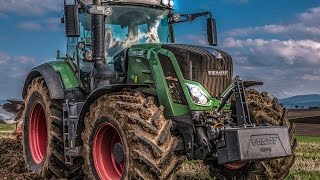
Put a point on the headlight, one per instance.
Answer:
(197, 95)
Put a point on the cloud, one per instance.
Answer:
(15, 61)
(288, 67)
(13, 70)
(290, 51)
(30, 25)
(292, 30)
(307, 26)
(310, 16)
(282, 82)
(28, 7)
(201, 40)
(51, 23)
(285, 56)
(311, 77)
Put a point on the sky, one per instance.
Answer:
(274, 41)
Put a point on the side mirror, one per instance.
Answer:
(212, 32)
(72, 20)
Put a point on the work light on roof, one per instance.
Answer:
(169, 3)
(165, 2)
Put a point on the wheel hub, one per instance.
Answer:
(38, 137)
(108, 153)
(118, 153)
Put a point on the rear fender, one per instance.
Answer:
(58, 76)
(51, 78)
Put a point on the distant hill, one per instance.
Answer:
(301, 101)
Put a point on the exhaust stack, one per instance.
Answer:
(102, 74)
(98, 35)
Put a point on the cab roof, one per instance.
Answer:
(145, 2)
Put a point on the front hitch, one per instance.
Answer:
(242, 110)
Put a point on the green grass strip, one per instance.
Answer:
(7, 127)
(308, 139)
(303, 175)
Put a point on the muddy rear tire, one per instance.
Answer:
(264, 110)
(42, 134)
(135, 124)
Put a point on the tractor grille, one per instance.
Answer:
(208, 66)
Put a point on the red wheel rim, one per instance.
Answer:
(105, 138)
(38, 137)
(234, 166)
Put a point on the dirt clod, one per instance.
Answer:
(11, 161)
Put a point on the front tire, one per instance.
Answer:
(264, 110)
(42, 134)
(129, 121)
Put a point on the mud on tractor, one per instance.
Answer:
(126, 102)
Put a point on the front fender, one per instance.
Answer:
(106, 90)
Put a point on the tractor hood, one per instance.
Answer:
(209, 66)
(213, 68)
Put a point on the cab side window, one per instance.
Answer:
(85, 37)
(72, 47)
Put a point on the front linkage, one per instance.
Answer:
(229, 136)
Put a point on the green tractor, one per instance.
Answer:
(126, 102)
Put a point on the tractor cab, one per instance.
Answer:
(103, 31)
(121, 25)
(129, 25)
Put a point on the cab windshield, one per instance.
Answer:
(135, 25)
(132, 25)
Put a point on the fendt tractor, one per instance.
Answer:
(126, 102)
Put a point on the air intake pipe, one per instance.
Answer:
(102, 74)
